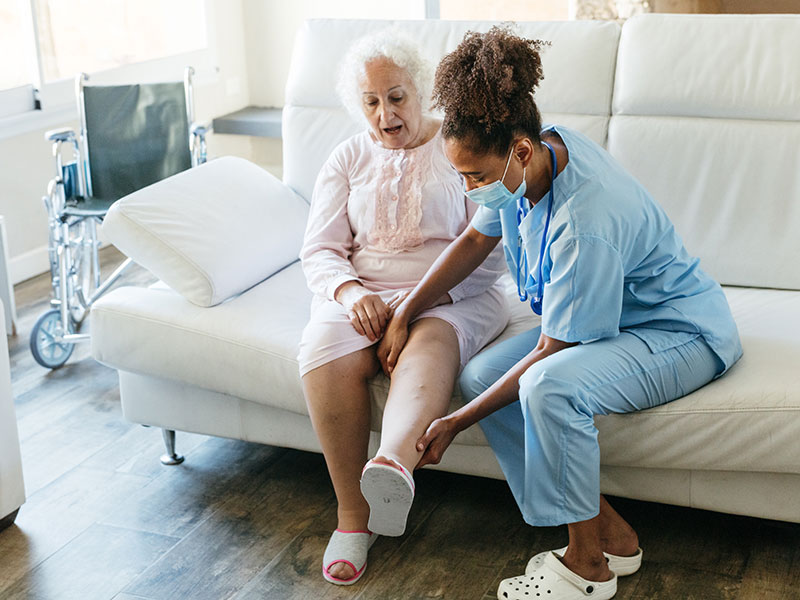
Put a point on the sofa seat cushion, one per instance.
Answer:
(247, 347)
(244, 347)
(748, 420)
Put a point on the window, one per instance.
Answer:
(54, 40)
(16, 39)
(504, 10)
(98, 35)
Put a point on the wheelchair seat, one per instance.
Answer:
(88, 207)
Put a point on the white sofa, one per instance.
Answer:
(704, 110)
(12, 488)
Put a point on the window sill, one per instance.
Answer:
(252, 120)
(37, 120)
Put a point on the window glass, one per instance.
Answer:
(16, 40)
(504, 10)
(96, 35)
(365, 9)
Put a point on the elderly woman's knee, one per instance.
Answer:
(431, 342)
(357, 366)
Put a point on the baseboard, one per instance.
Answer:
(29, 264)
(35, 262)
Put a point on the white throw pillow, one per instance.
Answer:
(213, 231)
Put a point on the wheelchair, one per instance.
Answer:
(130, 136)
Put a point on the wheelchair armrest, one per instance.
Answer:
(199, 129)
(63, 134)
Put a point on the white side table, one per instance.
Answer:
(12, 488)
(6, 290)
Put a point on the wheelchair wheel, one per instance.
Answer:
(45, 349)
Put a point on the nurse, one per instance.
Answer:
(629, 320)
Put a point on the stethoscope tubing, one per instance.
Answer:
(522, 255)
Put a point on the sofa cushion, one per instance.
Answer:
(711, 128)
(210, 232)
(709, 66)
(247, 348)
(748, 420)
(578, 80)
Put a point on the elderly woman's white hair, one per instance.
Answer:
(395, 46)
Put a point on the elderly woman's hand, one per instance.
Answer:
(368, 313)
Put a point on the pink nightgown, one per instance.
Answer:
(382, 216)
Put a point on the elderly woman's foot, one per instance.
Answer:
(345, 557)
(388, 488)
(353, 520)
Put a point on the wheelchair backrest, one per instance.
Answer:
(136, 135)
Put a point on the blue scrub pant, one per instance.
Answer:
(546, 443)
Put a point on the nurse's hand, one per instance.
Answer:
(437, 439)
(367, 312)
(399, 297)
(393, 342)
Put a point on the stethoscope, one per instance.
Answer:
(522, 255)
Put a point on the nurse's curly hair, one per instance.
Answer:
(485, 87)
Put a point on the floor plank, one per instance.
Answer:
(244, 534)
(95, 566)
(180, 498)
(137, 451)
(448, 549)
(296, 572)
(52, 517)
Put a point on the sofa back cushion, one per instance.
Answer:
(576, 90)
(706, 113)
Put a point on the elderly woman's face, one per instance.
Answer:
(390, 103)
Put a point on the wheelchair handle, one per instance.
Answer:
(64, 134)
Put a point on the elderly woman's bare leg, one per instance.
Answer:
(339, 406)
(421, 388)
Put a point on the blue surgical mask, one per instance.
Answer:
(496, 195)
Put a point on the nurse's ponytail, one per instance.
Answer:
(485, 87)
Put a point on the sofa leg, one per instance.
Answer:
(170, 458)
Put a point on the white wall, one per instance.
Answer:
(26, 164)
(270, 27)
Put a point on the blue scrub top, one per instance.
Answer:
(613, 260)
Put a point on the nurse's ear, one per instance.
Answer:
(524, 151)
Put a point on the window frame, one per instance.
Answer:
(53, 103)
(432, 9)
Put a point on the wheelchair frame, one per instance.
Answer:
(73, 244)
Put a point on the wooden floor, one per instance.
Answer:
(104, 519)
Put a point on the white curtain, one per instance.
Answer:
(607, 9)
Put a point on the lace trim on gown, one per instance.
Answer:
(399, 176)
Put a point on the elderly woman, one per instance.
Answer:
(385, 205)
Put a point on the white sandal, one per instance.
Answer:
(554, 581)
(350, 548)
(620, 565)
(388, 488)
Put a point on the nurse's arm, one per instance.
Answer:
(465, 254)
(503, 392)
